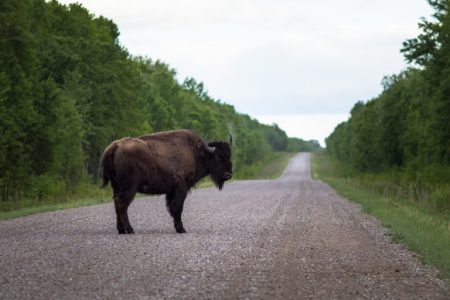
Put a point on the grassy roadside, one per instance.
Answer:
(87, 195)
(423, 230)
(91, 195)
(272, 168)
(31, 207)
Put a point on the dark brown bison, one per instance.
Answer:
(170, 163)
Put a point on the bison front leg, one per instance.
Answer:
(175, 202)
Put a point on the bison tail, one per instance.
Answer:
(108, 164)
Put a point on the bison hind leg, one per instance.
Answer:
(121, 203)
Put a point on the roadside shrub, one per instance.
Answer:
(45, 186)
(440, 199)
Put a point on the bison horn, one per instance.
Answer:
(231, 140)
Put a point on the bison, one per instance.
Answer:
(169, 162)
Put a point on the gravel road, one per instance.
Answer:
(290, 238)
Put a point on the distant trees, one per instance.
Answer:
(299, 145)
(408, 126)
(68, 88)
(276, 137)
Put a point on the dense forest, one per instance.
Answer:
(68, 88)
(406, 129)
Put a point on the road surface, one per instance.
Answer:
(290, 238)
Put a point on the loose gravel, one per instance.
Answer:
(290, 238)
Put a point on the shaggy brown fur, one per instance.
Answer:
(170, 163)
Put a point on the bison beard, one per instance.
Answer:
(168, 163)
(218, 182)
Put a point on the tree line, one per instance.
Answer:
(406, 127)
(68, 88)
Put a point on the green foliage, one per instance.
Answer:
(68, 88)
(277, 138)
(406, 129)
(274, 167)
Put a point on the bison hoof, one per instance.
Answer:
(126, 231)
(180, 230)
(179, 227)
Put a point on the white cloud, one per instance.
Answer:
(269, 57)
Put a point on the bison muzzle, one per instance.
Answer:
(170, 163)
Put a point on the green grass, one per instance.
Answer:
(270, 168)
(30, 207)
(275, 167)
(89, 194)
(423, 229)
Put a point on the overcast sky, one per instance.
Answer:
(299, 63)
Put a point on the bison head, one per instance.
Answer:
(219, 165)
